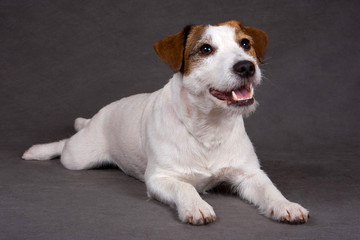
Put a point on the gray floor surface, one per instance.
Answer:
(64, 59)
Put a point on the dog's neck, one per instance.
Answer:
(209, 124)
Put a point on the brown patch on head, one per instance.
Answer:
(258, 38)
(171, 48)
(192, 48)
(176, 50)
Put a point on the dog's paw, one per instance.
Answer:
(34, 153)
(43, 151)
(197, 213)
(288, 212)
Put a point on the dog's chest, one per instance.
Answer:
(206, 179)
(207, 170)
(202, 179)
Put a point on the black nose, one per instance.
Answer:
(244, 69)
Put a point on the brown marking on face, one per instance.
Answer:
(191, 56)
(258, 38)
(171, 49)
(260, 41)
(181, 51)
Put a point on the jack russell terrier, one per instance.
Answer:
(188, 136)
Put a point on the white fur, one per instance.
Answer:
(180, 140)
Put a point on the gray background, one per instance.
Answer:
(64, 59)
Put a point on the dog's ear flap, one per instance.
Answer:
(171, 49)
(260, 39)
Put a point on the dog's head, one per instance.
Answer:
(218, 63)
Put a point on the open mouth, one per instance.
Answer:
(241, 96)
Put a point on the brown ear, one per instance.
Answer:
(260, 41)
(171, 49)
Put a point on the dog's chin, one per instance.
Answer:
(237, 109)
(247, 110)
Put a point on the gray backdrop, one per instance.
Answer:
(64, 59)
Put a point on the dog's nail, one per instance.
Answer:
(287, 216)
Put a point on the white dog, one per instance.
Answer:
(189, 136)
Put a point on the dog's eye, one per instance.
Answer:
(245, 44)
(206, 49)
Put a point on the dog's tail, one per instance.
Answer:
(52, 150)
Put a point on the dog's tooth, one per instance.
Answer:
(234, 96)
(251, 91)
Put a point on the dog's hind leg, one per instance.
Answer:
(44, 151)
(86, 149)
(52, 150)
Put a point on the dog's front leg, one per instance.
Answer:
(256, 187)
(190, 206)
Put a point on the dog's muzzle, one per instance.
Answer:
(243, 95)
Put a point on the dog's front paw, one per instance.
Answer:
(288, 212)
(197, 213)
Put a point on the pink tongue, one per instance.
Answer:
(242, 93)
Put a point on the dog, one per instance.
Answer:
(189, 136)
